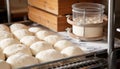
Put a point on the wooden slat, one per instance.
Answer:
(58, 7)
(93, 1)
(56, 23)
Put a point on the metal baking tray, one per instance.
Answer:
(86, 61)
(92, 60)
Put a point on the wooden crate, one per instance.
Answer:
(58, 7)
(93, 1)
(51, 13)
(54, 22)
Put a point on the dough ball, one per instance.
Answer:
(16, 48)
(2, 56)
(52, 39)
(29, 40)
(34, 29)
(40, 46)
(42, 34)
(72, 51)
(49, 55)
(7, 42)
(5, 34)
(60, 45)
(4, 65)
(3, 27)
(20, 60)
(21, 33)
(17, 26)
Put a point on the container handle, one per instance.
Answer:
(70, 21)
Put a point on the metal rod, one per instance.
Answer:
(8, 11)
(111, 31)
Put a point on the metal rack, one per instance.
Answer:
(111, 29)
(8, 11)
(92, 61)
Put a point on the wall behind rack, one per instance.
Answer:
(18, 10)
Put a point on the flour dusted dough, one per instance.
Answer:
(20, 60)
(7, 42)
(4, 65)
(3, 27)
(16, 48)
(72, 51)
(49, 55)
(5, 34)
(17, 26)
(52, 39)
(34, 29)
(60, 45)
(42, 34)
(2, 56)
(21, 33)
(40, 46)
(29, 40)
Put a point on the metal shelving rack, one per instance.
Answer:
(8, 11)
(111, 33)
(111, 29)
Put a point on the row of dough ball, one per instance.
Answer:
(21, 30)
(18, 26)
(26, 60)
(38, 46)
(64, 46)
(41, 48)
(12, 46)
(12, 49)
(40, 34)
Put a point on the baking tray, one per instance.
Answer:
(92, 60)
(86, 61)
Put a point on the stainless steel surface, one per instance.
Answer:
(111, 31)
(8, 11)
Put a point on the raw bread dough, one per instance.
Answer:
(40, 46)
(2, 56)
(17, 26)
(20, 60)
(5, 34)
(16, 48)
(42, 34)
(7, 42)
(3, 27)
(21, 33)
(29, 40)
(49, 55)
(34, 29)
(52, 39)
(4, 65)
(60, 45)
(72, 51)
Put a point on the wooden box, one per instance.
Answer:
(54, 22)
(93, 1)
(57, 7)
(51, 13)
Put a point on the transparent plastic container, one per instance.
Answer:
(87, 13)
(87, 21)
